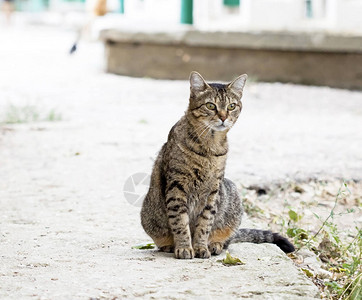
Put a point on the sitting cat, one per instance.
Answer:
(190, 208)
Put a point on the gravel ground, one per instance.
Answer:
(66, 227)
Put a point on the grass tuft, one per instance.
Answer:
(336, 245)
(27, 114)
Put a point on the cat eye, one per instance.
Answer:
(231, 106)
(210, 105)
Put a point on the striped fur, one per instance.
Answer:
(190, 208)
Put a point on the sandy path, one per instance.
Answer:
(66, 227)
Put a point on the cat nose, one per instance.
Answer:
(223, 117)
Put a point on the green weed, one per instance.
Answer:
(296, 210)
(27, 114)
(144, 246)
(230, 260)
(342, 259)
(53, 116)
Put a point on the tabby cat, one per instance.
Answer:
(190, 208)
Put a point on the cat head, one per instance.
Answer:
(216, 105)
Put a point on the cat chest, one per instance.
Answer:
(198, 196)
(198, 178)
(207, 170)
(204, 180)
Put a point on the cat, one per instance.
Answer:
(190, 208)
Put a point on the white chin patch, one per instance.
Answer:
(220, 128)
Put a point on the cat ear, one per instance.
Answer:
(197, 83)
(238, 84)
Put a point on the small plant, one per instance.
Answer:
(53, 116)
(250, 208)
(343, 260)
(299, 235)
(337, 247)
(14, 114)
(230, 260)
(143, 121)
(144, 246)
(27, 114)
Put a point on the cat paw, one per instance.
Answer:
(216, 248)
(184, 253)
(202, 252)
(168, 249)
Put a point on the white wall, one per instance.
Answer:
(344, 15)
(160, 11)
(272, 14)
(336, 15)
(333, 15)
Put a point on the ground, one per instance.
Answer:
(67, 229)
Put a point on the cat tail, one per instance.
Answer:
(262, 236)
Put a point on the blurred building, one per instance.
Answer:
(317, 42)
(336, 15)
(299, 15)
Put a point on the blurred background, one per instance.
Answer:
(321, 37)
(336, 15)
(89, 91)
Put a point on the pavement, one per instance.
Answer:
(67, 230)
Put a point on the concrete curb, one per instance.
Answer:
(299, 41)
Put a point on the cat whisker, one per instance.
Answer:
(196, 129)
(201, 127)
(207, 127)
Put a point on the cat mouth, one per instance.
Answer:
(220, 127)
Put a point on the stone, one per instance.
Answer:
(316, 58)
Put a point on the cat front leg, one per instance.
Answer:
(177, 213)
(203, 227)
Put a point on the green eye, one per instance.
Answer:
(231, 106)
(210, 106)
